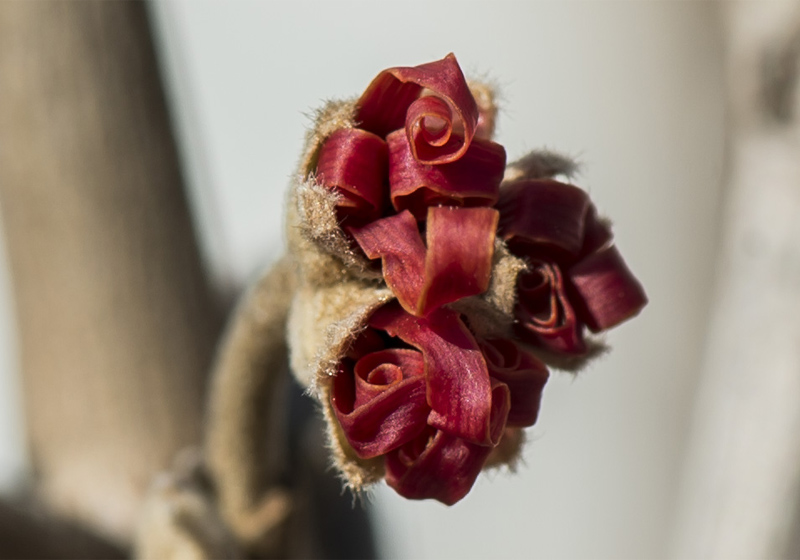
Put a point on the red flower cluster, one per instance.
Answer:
(433, 399)
(420, 189)
(576, 277)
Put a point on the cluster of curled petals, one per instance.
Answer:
(418, 191)
(432, 399)
(576, 278)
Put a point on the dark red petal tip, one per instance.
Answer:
(435, 465)
(544, 213)
(608, 290)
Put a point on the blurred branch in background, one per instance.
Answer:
(741, 492)
(26, 532)
(116, 319)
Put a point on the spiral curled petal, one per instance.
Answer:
(386, 105)
(547, 318)
(380, 403)
(460, 393)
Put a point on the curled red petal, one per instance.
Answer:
(397, 242)
(377, 371)
(431, 121)
(608, 290)
(597, 233)
(459, 391)
(473, 180)
(377, 418)
(353, 162)
(545, 313)
(435, 465)
(545, 214)
(458, 262)
(384, 106)
(523, 373)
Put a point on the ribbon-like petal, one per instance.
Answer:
(524, 374)
(541, 215)
(435, 465)
(353, 162)
(380, 403)
(609, 292)
(473, 180)
(463, 400)
(386, 105)
(456, 263)
(397, 242)
(547, 318)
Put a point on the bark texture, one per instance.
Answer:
(116, 320)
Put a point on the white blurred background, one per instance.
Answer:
(633, 90)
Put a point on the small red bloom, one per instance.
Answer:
(576, 276)
(415, 148)
(437, 409)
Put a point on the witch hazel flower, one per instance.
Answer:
(413, 163)
(421, 392)
(430, 289)
(576, 276)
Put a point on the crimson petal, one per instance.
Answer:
(458, 262)
(384, 106)
(544, 213)
(609, 292)
(524, 374)
(472, 180)
(378, 417)
(433, 120)
(354, 162)
(435, 465)
(397, 242)
(547, 318)
(460, 393)
(377, 371)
